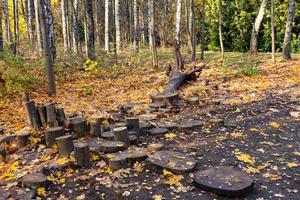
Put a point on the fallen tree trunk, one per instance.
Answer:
(177, 77)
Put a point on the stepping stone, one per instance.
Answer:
(118, 162)
(177, 163)
(148, 117)
(34, 180)
(112, 146)
(23, 139)
(158, 131)
(145, 127)
(168, 125)
(230, 123)
(130, 106)
(155, 147)
(120, 124)
(158, 105)
(224, 181)
(108, 135)
(134, 155)
(191, 125)
(95, 144)
(133, 139)
(7, 138)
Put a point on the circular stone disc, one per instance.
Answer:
(175, 162)
(107, 135)
(112, 146)
(35, 179)
(224, 181)
(158, 131)
(191, 124)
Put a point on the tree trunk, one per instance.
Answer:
(16, 26)
(273, 30)
(192, 30)
(117, 24)
(149, 19)
(50, 29)
(64, 17)
(220, 29)
(30, 22)
(178, 19)
(90, 29)
(256, 27)
(136, 26)
(152, 41)
(6, 19)
(38, 30)
(1, 32)
(288, 31)
(106, 45)
(46, 45)
(202, 41)
(75, 33)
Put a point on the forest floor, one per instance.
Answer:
(261, 98)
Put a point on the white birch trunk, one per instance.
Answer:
(37, 25)
(178, 19)
(117, 24)
(220, 29)
(149, 18)
(64, 18)
(75, 37)
(136, 26)
(106, 34)
(192, 29)
(6, 20)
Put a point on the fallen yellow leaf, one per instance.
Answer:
(274, 124)
(41, 191)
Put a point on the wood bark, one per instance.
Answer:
(178, 19)
(152, 25)
(38, 30)
(30, 22)
(6, 20)
(51, 114)
(1, 30)
(133, 124)
(192, 29)
(288, 31)
(46, 46)
(117, 26)
(64, 17)
(52, 133)
(220, 29)
(75, 32)
(202, 40)
(82, 155)
(95, 127)
(90, 29)
(106, 33)
(43, 115)
(118, 162)
(136, 26)
(121, 134)
(16, 26)
(32, 115)
(273, 31)
(50, 28)
(79, 126)
(23, 139)
(256, 27)
(60, 117)
(65, 145)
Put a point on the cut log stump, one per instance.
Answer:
(191, 125)
(60, 117)
(169, 98)
(95, 127)
(65, 145)
(108, 135)
(79, 126)
(23, 139)
(2, 153)
(121, 134)
(118, 162)
(224, 181)
(43, 115)
(34, 180)
(51, 114)
(158, 131)
(82, 154)
(152, 148)
(133, 124)
(112, 146)
(177, 163)
(52, 133)
(133, 139)
(32, 115)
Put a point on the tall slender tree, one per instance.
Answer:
(151, 29)
(90, 29)
(220, 29)
(288, 31)
(192, 29)
(38, 30)
(256, 27)
(64, 17)
(136, 26)
(117, 25)
(273, 30)
(75, 32)
(1, 30)
(31, 26)
(16, 26)
(6, 20)
(50, 28)
(178, 20)
(106, 34)
(149, 19)
(202, 41)
(47, 48)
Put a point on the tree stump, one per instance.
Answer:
(51, 114)
(169, 98)
(43, 115)
(135, 155)
(79, 126)
(158, 131)
(23, 139)
(112, 146)
(65, 145)
(52, 133)
(145, 127)
(7, 138)
(118, 162)
(34, 180)
(2, 152)
(224, 181)
(133, 139)
(158, 105)
(121, 134)
(60, 117)
(191, 125)
(108, 135)
(155, 147)
(133, 124)
(120, 124)
(95, 127)
(193, 101)
(32, 115)
(82, 154)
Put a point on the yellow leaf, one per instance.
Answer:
(95, 157)
(105, 123)
(274, 124)
(62, 180)
(245, 158)
(157, 197)
(251, 170)
(254, 130)
(7, 176)
(51, 179)
(167, 172)
(237, 134)
(41, 191)
(170, 136)
(292, 164)
(296, 153)
(58, 174)
(62, 161)
(69, 172)
(174, 180)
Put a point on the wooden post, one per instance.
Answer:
(60, 117)
(43, 115)
(133, 124)
(121, 134)
(32, 115)
(65, 145)
(2, 153)
(23, 139)
(51, 114)
(95, 127)
(79, 126)
(52, 133)
(82, 155)
(117, 163)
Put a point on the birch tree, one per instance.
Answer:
(50, 28)
(38, 31)
(90, 29)
(288, 31)
(273, 30)
(47, 48)
(136, 26)
(149, 19)
(64, 17)
(106, 34)
(178, 19)
(256, 27)
(6, 21)
(192, 29)
(220, 29)
(151, 29)
(75, 32)
(30, 22)
(117, 24)
(1, 30)
(202, 41)
(16, 26)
